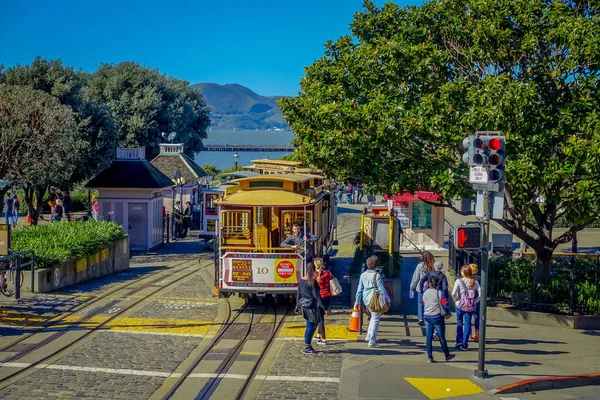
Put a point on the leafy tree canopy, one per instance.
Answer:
(95, 126)
(39, 141)
(392, 102)
(145, 103)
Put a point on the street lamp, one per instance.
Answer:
(236, 158)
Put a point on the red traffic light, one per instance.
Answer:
(494, 144)
(467, 237)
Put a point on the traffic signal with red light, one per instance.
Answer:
(467, 237)
(486, 153)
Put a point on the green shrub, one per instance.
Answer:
(509, 275)
(62, 241)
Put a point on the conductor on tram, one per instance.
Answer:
(298, 239)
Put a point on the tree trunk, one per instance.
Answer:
(2, 195)
(543, 267)
(34, 198)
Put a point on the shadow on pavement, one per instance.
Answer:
(591, 333)
(517, 342)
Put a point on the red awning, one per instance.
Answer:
(418, 196)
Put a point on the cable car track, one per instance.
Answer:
(8, 380)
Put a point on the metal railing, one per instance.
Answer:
(574, 285)
(20, 258)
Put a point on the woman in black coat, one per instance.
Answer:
(309, 303)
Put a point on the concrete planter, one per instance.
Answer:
(585, 322)
(105, 262)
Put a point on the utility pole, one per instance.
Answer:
(485, 156)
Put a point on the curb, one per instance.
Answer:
(549, 383)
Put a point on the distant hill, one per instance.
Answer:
(236, 106)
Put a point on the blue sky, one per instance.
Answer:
(262, 44)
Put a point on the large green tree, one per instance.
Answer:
(145, 103)
(96, 128)
(39, 142)
(391, 103)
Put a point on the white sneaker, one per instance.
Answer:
(321, 341)
(374, 345)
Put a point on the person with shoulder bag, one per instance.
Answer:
(424, 267)
(435, 304)
(372, 292)
(323, 278)
(310, 305)
(466, 294)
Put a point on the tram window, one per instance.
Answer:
(211, 207)
(421, 216)
(236, 223)
(289, 217)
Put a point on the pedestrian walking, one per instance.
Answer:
(476, 313)
(187, 218)
(58, 211)
(95, 208)
(67, 205)
(425, 266)
(466, 296)
(310, 305)
(340, 193)
(15, 213)
(8, 208)
(323, 278)
(442, 284)
(369, 280)
(435, 303)
(359, 192)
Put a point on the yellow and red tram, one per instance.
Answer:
(254, 220)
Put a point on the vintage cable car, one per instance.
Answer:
(254, 220)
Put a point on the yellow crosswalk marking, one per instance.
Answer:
(435, 388)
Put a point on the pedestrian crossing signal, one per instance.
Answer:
(467, 237)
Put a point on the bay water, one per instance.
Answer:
(224, 159)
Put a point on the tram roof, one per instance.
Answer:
(298, 178)
(266, 197)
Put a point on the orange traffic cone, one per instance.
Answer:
(353, 325)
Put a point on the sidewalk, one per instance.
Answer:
(514, 353)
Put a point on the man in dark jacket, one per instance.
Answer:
(437, 272)
(297, 241)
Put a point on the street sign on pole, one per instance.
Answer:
(478, 174)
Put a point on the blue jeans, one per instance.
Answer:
(476, 317)
(309, 332)
(420, 305)
(8, 217)
(373, 327)
(463, 327)
(439, 325)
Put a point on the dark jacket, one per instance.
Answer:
(297, 240)
(308, 300)
(67, 203)
(443, 281)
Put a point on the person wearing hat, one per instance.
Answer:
(437, 272)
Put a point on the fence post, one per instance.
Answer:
(572, 287)
(32, 271)
(18, 278)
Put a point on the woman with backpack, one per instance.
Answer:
(310, 305)
(323, 278)
(475, 271)
(466, 296)
(424, 267)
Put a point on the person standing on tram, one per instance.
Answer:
(298, 240)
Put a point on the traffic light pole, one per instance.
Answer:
(481, 372)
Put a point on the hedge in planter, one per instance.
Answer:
(61, 241)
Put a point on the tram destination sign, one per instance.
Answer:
(478, 174)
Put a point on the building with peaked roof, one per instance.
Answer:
(131, 194)
(172, 162)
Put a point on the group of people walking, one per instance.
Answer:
(431, 286)
(354, 193)
(11, 209)
(428, 281)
